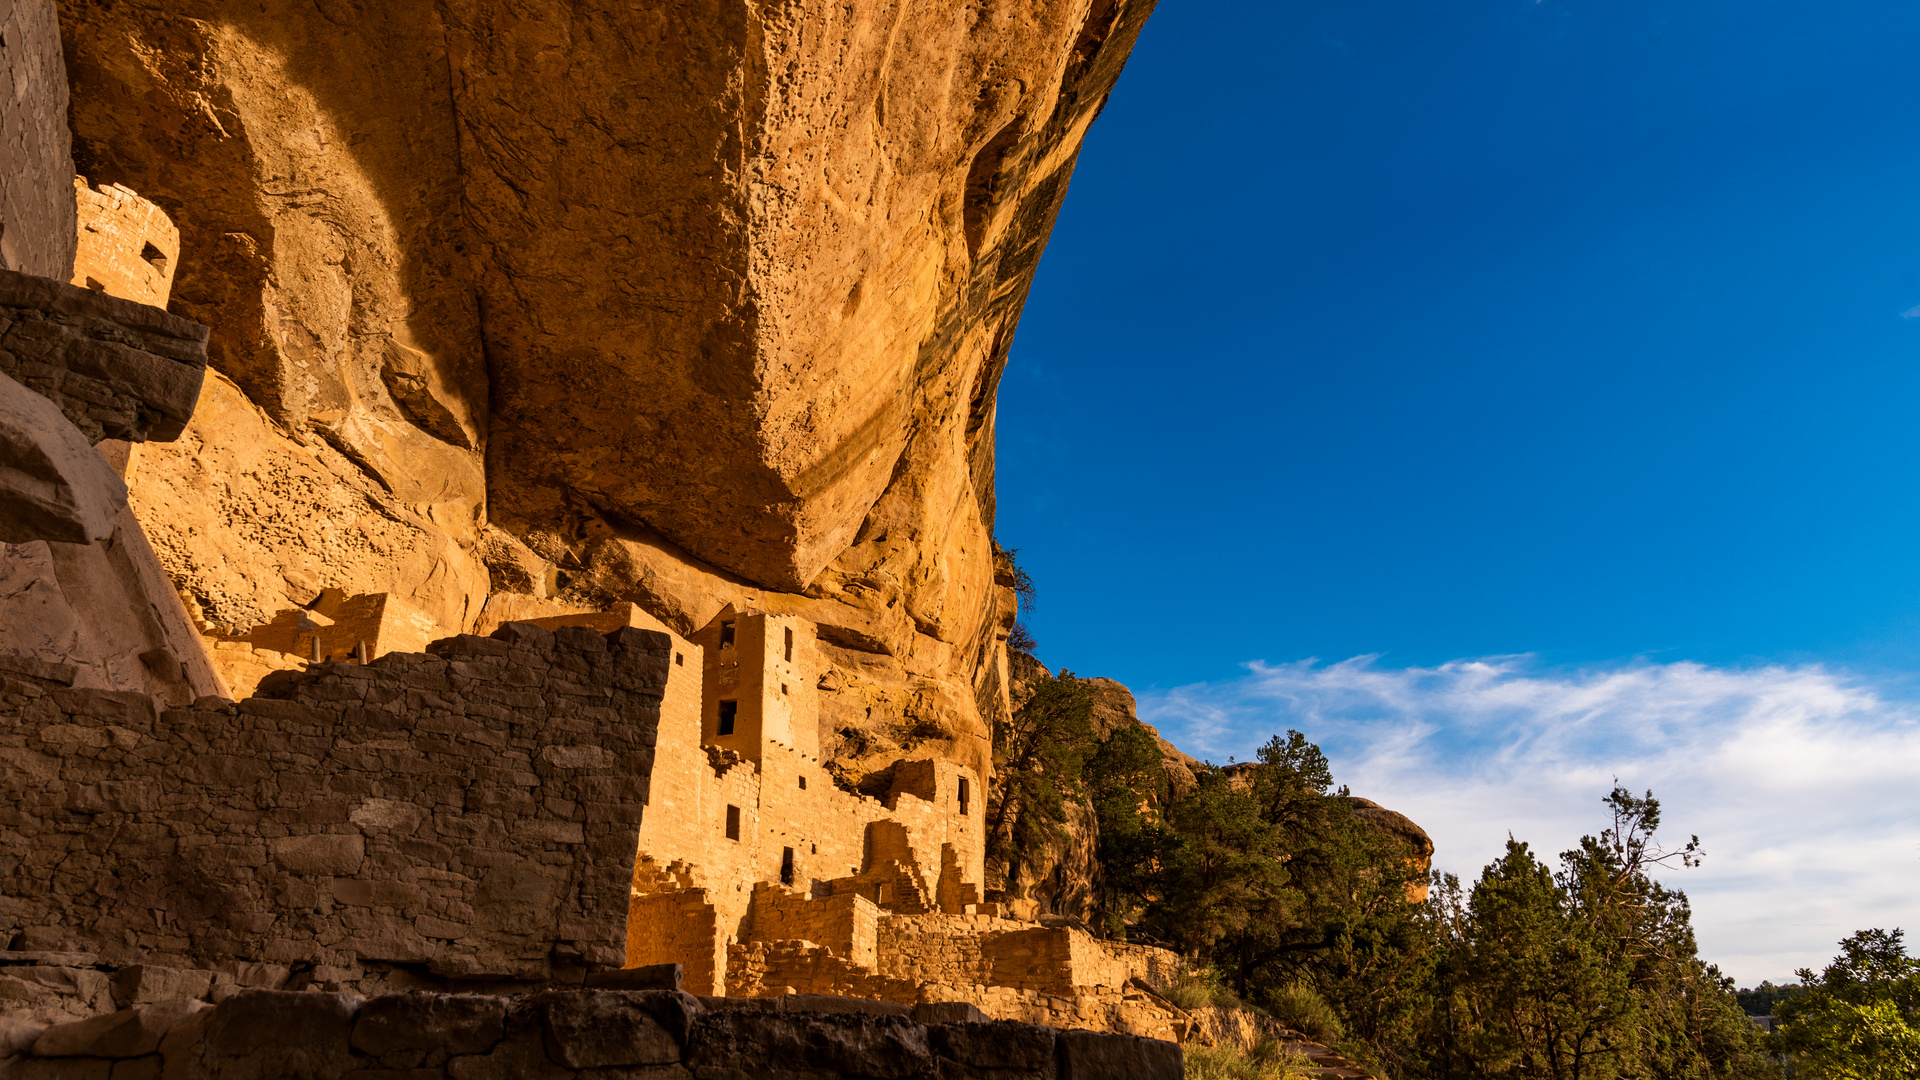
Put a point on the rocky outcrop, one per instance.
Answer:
(52, 485)
(36, 207)
(78, 582)
(1403, 830)
(699, 306)
(562, 1034)
(117, 369)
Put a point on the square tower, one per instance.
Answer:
(759, 684)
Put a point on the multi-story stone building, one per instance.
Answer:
(762, 876)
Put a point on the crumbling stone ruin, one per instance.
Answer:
(352, 720)
(560, 1034)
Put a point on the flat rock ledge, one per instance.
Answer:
(559, 1034)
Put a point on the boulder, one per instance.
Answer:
(52, 485)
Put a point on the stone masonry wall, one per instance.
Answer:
(995, 952)
(769, 970)
(36, 194)
(559, 1035)
(846, 923)
(678, 928)
(117, 369)
(470, 812)
(128, 246)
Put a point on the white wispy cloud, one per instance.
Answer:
(1802, 782)
(1911, 313)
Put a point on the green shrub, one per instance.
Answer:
(1300, 1007)
(1191, 994)
(1200, 987)
(1269, 1061)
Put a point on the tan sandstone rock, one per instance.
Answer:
(697, 306)
(36, 209)
(52, 485)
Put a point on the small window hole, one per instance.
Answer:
(733, 823)
(789, 644)
(786, 866)
(728, 710)
(726, 634)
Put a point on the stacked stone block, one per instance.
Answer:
(471, 812)
(117, 369)
(559, 1035)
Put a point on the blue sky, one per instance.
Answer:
(1577, 339)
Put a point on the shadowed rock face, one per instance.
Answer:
(706, 303)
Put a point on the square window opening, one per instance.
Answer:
(680, 659)
(803, 783)
(726, 633)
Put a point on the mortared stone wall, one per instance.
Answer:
(470, 812)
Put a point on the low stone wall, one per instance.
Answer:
(680, 927)
(1157, 967)
(558, 1035)
(771, 970)
(117, 369)
(996, 952)
(470, 814)
(846, 923)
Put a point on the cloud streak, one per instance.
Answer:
(1802, 782)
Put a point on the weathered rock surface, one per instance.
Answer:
(472, 813)
(36, 207)
(703, 305)
(117, 369)
(52, 485)
(93, 367)
(559, 1035)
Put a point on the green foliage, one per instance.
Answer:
(1127, 784)
(1283, 900)
(1199, 987)
(1038, 755)
(1588, 972)
(1860, 1019)
(1300, 1007)
(1269, 1061)
(1761, 1000)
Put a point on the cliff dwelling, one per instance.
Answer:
(381, 637)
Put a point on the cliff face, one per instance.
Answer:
(688, 305)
